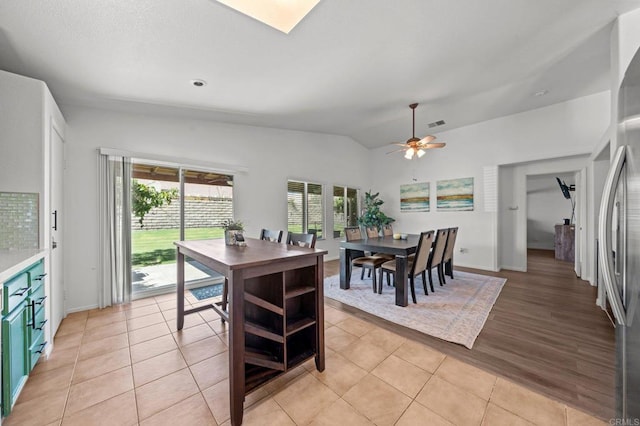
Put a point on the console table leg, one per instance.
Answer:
(320, 314)
(236, 346)
(180, 290)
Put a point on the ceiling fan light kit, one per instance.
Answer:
(415, 147)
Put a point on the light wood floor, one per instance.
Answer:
(544, 332)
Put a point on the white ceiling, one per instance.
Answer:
(351, 67)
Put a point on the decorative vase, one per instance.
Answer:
(230, 238)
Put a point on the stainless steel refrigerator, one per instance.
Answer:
(619, 253)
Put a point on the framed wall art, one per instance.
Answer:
(414, 197)
(455, 194)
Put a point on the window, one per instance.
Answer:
(345, 209)
(304, 207)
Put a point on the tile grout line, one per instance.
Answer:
(73, 372)
(135, 394)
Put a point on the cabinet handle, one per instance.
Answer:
(20, 291)
(42, 325)
(40, 301)
(40, 277)
(55, 220)
(32, 324)
(42, 346)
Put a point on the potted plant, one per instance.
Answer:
(232, 229)
(371, 213)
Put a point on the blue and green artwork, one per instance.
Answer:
(455, 194)
(414, 197)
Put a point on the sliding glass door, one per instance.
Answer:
(170, 204)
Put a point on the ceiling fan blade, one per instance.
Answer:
(399, 144)
(434, 145)
(427, 139)
(397, 150)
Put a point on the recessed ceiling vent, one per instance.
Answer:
(437, 123)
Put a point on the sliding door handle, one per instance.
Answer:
(55, 220)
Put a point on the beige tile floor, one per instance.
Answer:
(128, 366)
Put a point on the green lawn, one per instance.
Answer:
(154, 247)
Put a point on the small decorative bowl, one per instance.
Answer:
(396, 236)
(403, 236)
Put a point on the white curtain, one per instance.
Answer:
(114, 195)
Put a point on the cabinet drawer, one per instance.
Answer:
(37, 326)
(15, 291)
(37, 296)
(36, 274)
(36, 348)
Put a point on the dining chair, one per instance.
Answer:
(302, 240)
(436, 255)
(371, 263)
(447, 259)
(387, 230)
(417, 265)
(372, 232)
(269, 235)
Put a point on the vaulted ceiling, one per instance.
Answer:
(350, 67)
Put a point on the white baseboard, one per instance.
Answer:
(80, 309)
(514, 268)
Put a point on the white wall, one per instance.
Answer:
(260, 195)
(546, 207)
(21, 132)
(560, 130)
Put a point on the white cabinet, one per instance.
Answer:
(32, 131)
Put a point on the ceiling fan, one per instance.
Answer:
(415, 146)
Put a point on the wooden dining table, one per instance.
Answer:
(401, 249)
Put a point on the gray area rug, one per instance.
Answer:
(455, 312)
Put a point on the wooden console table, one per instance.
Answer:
(276, 308)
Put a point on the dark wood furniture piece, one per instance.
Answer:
(365, 262)
(447, 260)
(269, 235)
(266, 235)
(302, 240)
(565, 242)
(373, 232)
(436, 256)
(417, 265)
(276, 308)
(399, 248)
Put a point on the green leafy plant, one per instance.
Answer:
(371, 213)
(145, 198)
(232, 225)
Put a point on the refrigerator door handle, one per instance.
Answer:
(604, 234)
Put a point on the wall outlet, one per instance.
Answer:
(464, 250)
